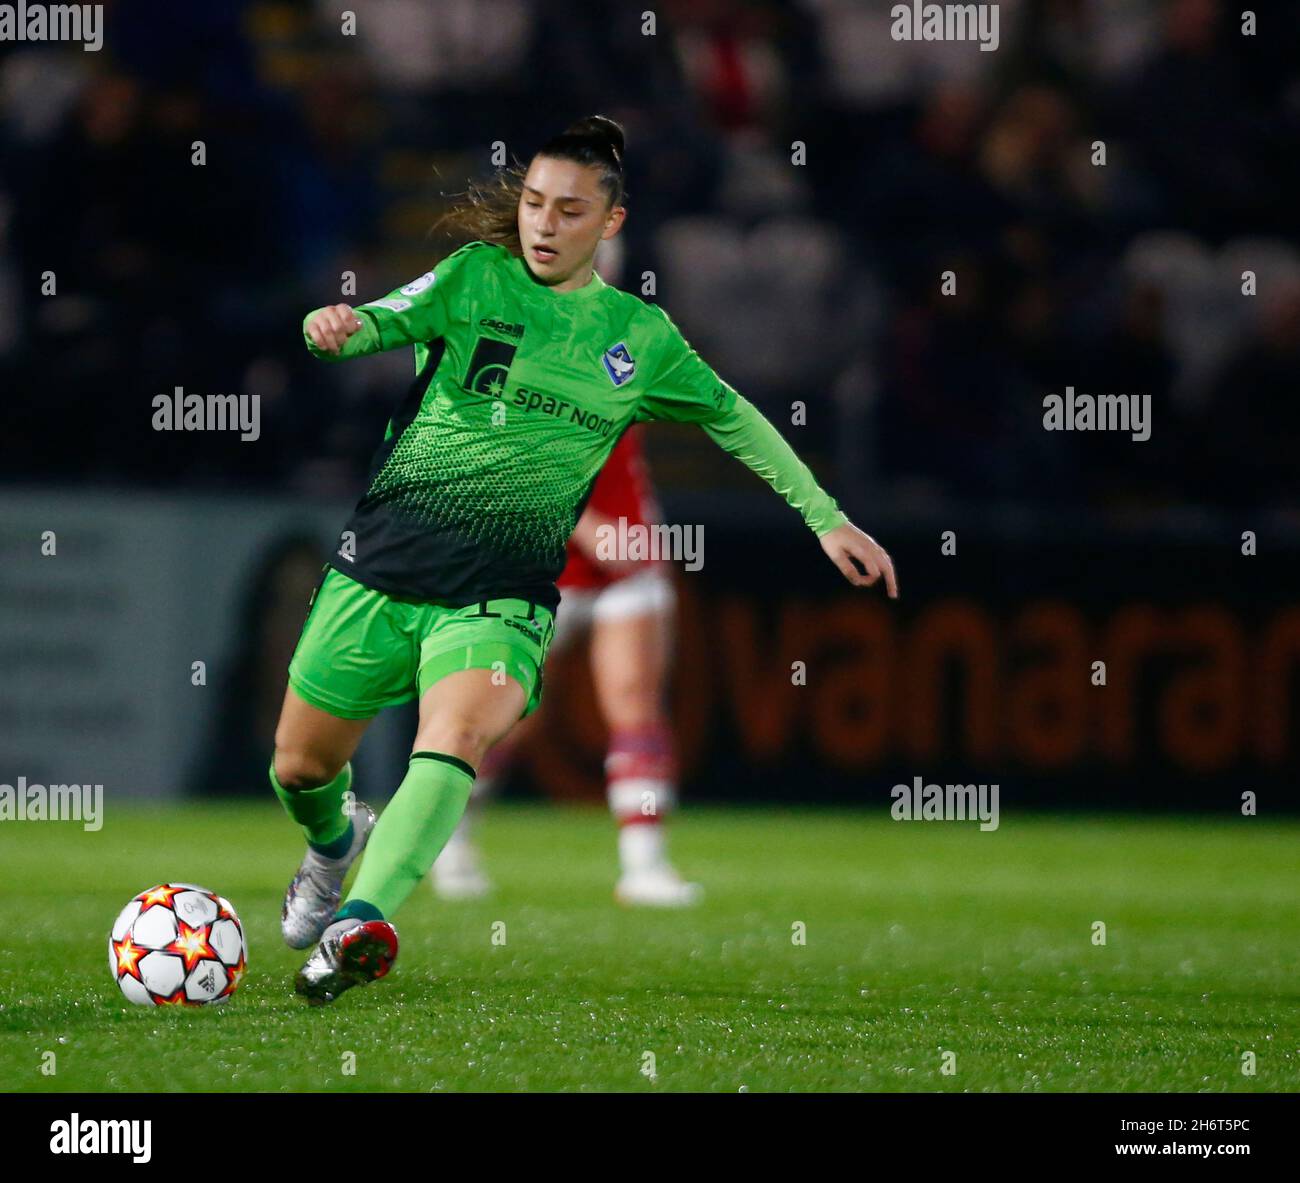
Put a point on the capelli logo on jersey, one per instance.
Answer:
(500, 326)
(619, 364)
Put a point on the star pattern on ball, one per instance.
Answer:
(164, 893)
(128, 955)
(234, 975)
(192, 944)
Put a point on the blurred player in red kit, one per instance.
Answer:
(627, 606)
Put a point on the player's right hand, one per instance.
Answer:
(331, 326)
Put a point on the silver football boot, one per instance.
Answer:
(313, 896)
(351, 953)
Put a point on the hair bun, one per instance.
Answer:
(602, 129)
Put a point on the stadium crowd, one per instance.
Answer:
(816, 278)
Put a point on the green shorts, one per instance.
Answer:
(362, 650)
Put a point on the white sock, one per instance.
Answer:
(641, 847)
(639, 786)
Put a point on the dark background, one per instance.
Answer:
(817, 283)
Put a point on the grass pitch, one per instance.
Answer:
(921, 939)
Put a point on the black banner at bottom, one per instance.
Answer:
(924, 1130)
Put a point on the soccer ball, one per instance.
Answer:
(177, 945)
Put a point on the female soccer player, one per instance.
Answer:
(626, 605)
(528, 369)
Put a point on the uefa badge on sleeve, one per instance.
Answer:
(619, 364)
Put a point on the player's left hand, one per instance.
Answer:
(846, 543)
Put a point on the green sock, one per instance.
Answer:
(318, 811)
(358, 909)
(412, 830)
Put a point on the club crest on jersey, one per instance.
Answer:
(619, 364)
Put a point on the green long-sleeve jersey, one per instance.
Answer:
(520, 394)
